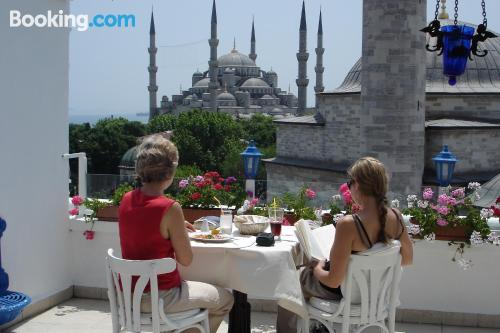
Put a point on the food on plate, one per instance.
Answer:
(209, 236)
(215, 231)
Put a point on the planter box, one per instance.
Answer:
(291, 218)
(192, 214)
(109, 213)
(458, 233)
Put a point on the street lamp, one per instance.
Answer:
(251, 159)
(445, 164)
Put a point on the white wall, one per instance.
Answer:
(433, 282)
(33, 135)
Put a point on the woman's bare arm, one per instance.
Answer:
(339, 254)
(176, 231)
(406, 244)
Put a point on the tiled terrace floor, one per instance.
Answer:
(92, 316)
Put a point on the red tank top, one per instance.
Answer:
(140, 216)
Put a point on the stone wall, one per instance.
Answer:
(463, 106)
(342, 129)
(393, 89)
(290, 179)
(476, 150)
(300, 141)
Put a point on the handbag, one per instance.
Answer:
(265, 239)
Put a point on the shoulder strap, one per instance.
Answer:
(400, 222)
(362, 231)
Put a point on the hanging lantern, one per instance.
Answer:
(456, 42)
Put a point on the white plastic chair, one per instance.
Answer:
(125, 304)
(370, 293)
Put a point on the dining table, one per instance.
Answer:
(249, 270)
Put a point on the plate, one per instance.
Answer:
(202, 237)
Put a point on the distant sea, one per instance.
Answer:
(93, 118)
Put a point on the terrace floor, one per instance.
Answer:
(80, 315)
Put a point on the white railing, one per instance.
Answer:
(82, 172)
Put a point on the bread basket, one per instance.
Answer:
(251, 224)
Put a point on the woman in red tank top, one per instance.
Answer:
(152, 226)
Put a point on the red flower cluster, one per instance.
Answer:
(89, 234)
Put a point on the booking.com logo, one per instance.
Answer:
(81, 22)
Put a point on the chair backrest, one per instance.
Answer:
(372, 282)
(125, 302)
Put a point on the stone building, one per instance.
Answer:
(395, 104)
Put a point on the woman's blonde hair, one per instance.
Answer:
(157, 159)
(371, 177)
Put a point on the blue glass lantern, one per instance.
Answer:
(445, 165)
(251, 159)
(457, 41)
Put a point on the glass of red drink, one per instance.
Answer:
(276, 220)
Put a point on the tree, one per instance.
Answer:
(162, 123)
(261, 129)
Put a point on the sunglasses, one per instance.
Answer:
(350, 182)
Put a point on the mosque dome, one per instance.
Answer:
(203, 83)
(225, 96)
(271, 72)
(255, 82)
(482, 75)
(229, 70)
(197, 74)
(266, 96)
(129, 158)
(235, 59)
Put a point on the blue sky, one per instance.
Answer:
(108, 67)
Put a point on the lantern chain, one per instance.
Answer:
(437, 10)
(456, 13)
(485, 20)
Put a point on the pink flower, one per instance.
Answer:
(230, 180)
(442, 223)
(343, 188)
(427, 194)
(498, 200)
(183, 183)
(254, 202)
(89, 234)
(198, 179)
(452, 201)
(285, 221)
(77, 200)
(347, 197)
(74, 211)
(443, 210)
(443, 200)
(310, 193)
(458, 193)
(355, 208)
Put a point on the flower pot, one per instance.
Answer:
(109, 213)
(448, 233)
(192, 214)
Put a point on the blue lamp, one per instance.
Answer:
(251, 159)
(457, 40)
(445, 165)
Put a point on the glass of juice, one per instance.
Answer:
(276, 220)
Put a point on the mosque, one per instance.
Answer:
(234, 83)
(395, 104)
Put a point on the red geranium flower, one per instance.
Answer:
(218, 187)
(195, 196)
(227, 188)
(199, 185)
(498, 200)
(89, 234)
(496, 211)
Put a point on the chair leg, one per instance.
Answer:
(206, 326)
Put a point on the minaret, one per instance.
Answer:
(252, 54)
(213, 85)
(302, 57)
(152, 69)
(319, 69)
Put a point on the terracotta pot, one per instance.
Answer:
(457, 233)
(291, 218)
(192, 214)
(327, 218)
(109, 213)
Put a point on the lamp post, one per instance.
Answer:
(251, 159)
(445, 165)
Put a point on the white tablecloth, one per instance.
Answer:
(260, 272)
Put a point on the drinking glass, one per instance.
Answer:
(226, 221)
(276, 220)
